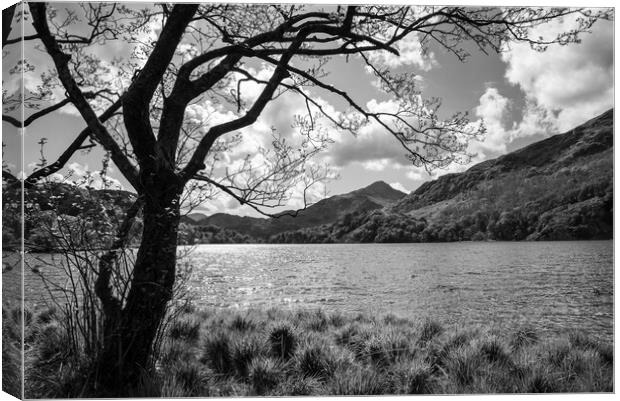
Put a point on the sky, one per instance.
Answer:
(521, 95)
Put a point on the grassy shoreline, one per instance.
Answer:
(274, 352)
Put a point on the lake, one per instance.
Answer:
(553, 286)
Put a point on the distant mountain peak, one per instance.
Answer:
(380, 188)
(379, 185)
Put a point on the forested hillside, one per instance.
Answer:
(560, 188)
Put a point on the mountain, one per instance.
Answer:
(559, 188)
(375, 196)
(544, 158)
(193, 218)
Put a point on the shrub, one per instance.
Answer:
(264, 375)
(283, 341)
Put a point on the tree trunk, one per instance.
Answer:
(130, 334)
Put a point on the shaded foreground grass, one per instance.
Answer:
(282, 353)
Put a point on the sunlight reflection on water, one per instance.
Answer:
(553, 285)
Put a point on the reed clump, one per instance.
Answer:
(285, 353)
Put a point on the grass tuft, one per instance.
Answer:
(186, 328)
(558, 352)
(283, 341)
(359, 381)
(493, 350)
(523, 337)
(282, 353)
(317, 321)
(242, 323)
(315, 361)
(416, 378)
(265, 374)
(217, 354)
(429, 330)
(192, 379)
(296, 386)
(462, 364)
(541, 382)
(47, 315)
(53, 342)
(244, 351)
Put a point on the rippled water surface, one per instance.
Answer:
(552, 285)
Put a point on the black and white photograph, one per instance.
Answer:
(237, 199)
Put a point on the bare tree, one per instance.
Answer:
(143, 123)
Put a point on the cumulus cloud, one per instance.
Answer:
(571, 83)
(564, 86)
(400, 187)
(492, 108)
(417, 174)
(411, 54)
(82, 176)
(373, 146)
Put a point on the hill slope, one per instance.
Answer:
(375, 196)
(558, 188)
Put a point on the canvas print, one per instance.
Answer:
(230, 199)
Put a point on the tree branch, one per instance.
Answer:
(136, 108)
(71, 149)
(244, 201)
(16, 123)
(38, 12)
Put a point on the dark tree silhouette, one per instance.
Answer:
(161, 153)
